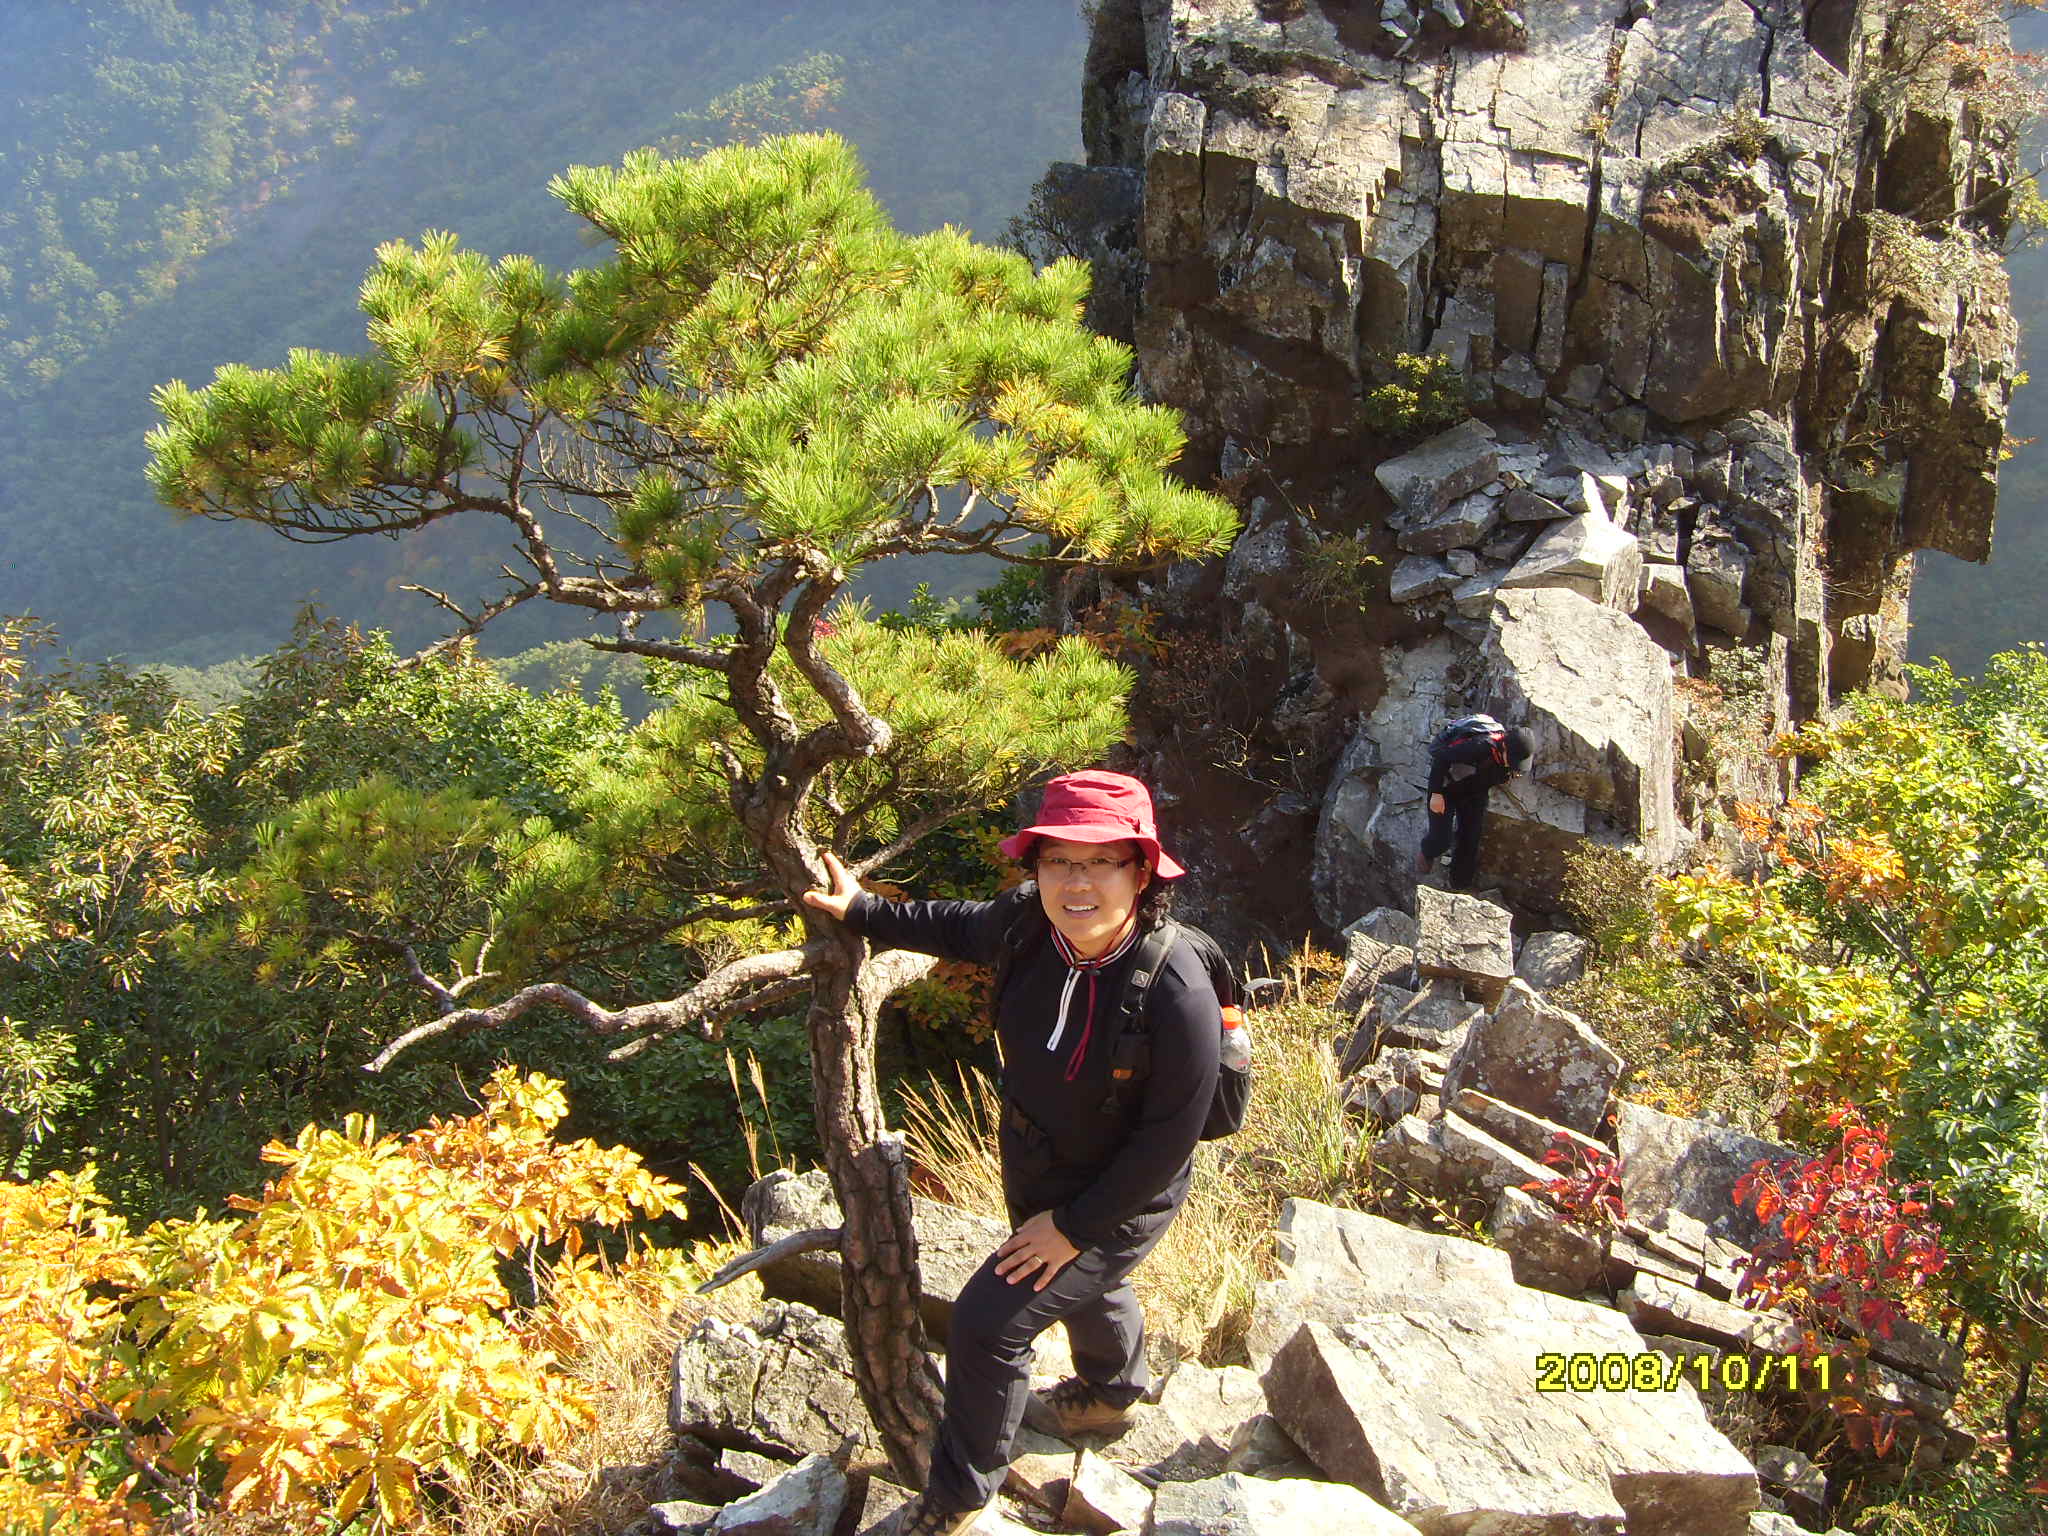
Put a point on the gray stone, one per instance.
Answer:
(1369, 964)
(1465, 521)
(1390, 925)
(1465, 939)
(1548, 961)
(1261, 1448)
(1547, 1251)
(1525, 506)
(1238, 1505)
(1482, 1450)
(1531, 1135)
(1418, 577)
(1795, 1479)
(1041, 1478)
(1586, 554)
(1716, 576)
(1105, 1498)
(1663, 593)
(1690, 1165)
(1538, 1057)
(1337, 1264)
(1594, 694)
(782, 1383)
(1475, 1162)
(804, 1501)
(1187, 1434)
(1434, 1019)
(1473, 597)
(1428, 478)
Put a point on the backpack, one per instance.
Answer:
(1468, 728)
(1129, 1040)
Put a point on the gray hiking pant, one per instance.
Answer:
(988, 1355)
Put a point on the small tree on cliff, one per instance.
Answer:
(763, 389)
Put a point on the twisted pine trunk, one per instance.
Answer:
(878, 1246)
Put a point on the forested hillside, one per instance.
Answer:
(184, 184)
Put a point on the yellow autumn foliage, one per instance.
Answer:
(349, 1345)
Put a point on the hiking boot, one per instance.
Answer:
(921, 1519)
(1074, 1407)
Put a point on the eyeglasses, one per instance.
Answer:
(1064, 868)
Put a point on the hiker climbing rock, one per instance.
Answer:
(1469, 757)
(1099, 1122)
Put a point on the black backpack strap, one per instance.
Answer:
(1130, 1040)
(1026, 928)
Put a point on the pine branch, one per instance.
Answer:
(703, 1006)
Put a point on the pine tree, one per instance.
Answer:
(763, 389)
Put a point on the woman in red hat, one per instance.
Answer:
(1092, 1172)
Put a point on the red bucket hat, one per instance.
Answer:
(1096, 806)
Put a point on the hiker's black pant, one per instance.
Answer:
(988, 1355)
(1457, 827)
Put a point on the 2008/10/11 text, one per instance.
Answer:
(1651, 1371)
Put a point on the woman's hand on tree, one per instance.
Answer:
(841, 893)
(1036, 1251)
(1436, 804)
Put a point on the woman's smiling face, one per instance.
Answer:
(1089, 890)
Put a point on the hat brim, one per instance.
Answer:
(1163, 864)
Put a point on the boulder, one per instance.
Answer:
(1418, 577)
(804, 1501)
(1104, 1498)
(1425, 480)
(1465, 939)
(1547, 1251)
(1337, 1263)
(1472, 597)
(1716, 576)
(1525, 506)
(1664, 594)
(951, 1244)
(1530, 1135)
(1237, 1505)
(1187, 1434)
(1369, 963)
(1390, 925)
(1477, 1163)
(1538, 1057)
(1482, 1449)
(1548, 961)
(1586, 554)
(1670, 1161)
(1434, 1019)
(781, 1384)
(1460, 525)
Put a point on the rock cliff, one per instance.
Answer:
(1718, 282)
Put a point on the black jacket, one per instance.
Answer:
(1467, 768)
(1091, 1167)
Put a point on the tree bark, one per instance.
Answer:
(878, 1246)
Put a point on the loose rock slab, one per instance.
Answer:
(1482, 1450)
(1540, 1058)
(1461, 937)
(1236, 1505)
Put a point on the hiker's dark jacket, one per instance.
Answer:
(1093, 1169)
(1465, 768)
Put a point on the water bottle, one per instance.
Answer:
(1236, 1053)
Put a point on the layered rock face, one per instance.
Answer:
(1718, 278)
